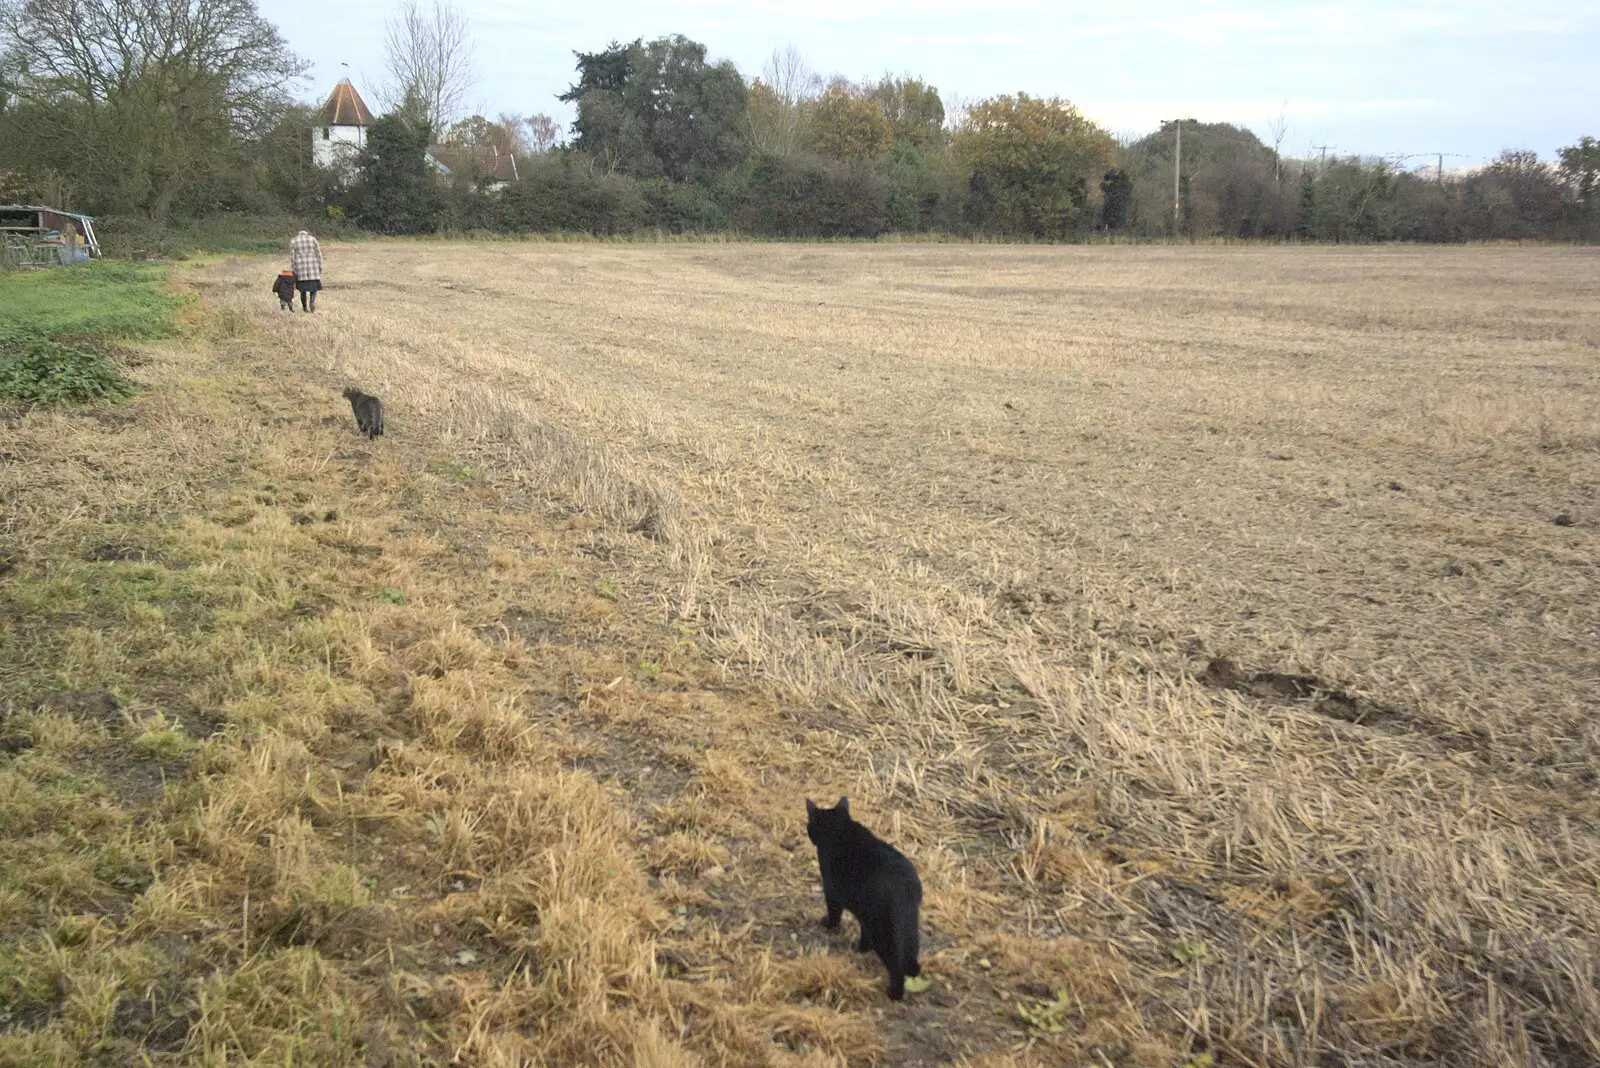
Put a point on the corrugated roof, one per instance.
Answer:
(344, 107)
(41, 207)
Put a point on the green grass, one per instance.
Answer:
(51, 322)
(102, 300)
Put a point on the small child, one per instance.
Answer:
(283, 285)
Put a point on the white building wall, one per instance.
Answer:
(335, 144)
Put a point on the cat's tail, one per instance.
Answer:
(907, 941)
(903, 942)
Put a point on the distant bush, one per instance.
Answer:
(558, 195)
(679, 208)
(396, 191)
(808, 196)
(129, 237)
(920, 197)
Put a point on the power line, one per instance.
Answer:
(1439, 156)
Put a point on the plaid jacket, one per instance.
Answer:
(305, 257)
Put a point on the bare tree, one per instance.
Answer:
(544, 133)
(10, 64)
(779, 110)
(428, 54)
(514, 131)
(790, 76)
(145, 99)
(956, 107)
(1279, 128)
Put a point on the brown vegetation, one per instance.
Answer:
(1197, 620)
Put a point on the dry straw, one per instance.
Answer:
(1193, 617)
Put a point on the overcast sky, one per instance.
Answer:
(1371, 77)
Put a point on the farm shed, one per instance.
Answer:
(35, 235)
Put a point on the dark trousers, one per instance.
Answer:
(308, 292)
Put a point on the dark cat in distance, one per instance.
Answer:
(875, 882)
(368, 409)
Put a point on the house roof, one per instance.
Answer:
(344, 107)
(474, 163)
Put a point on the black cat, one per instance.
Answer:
(874, 880)
(368, 409)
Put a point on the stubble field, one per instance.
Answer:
(1216, 628)
(989, 520)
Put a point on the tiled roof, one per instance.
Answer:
(474, 163)
(344, 107)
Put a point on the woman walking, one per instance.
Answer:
(305, 259)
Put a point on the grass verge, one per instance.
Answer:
(55, 327)
(109, 300)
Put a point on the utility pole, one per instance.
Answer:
(1177, 165)
(1438, 174)
(1177, 168)
(1324, 164)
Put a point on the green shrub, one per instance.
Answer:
(556, 195)
(38, 371)
(680, 208)
(397, 193)
(920, 197)
(51, 321)
(135, 237)
(808, 196)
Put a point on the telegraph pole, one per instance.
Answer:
(1324, 149)
(1438, 174)
(1177, 167)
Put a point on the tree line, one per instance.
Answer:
(168, 109)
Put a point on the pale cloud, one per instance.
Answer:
(1470, 76)
(1146, 115)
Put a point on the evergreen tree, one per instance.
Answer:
(1116, 199)
(397, 194)
(659, 109)
(1306, 226)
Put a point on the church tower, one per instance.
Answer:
(341, 130)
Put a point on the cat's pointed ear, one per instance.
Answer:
(843, 807)
(811, 807)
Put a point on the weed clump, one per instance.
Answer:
(52, 324)
(38, 371)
